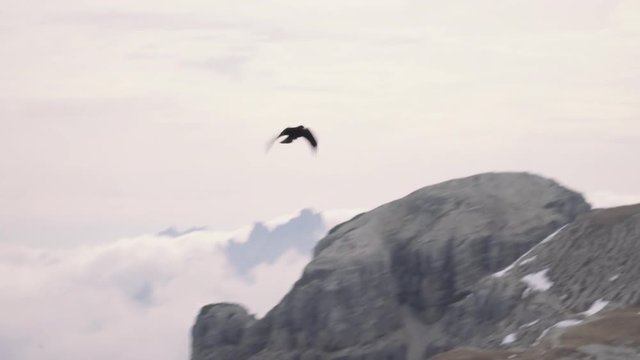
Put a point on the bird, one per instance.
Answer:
(293, 133)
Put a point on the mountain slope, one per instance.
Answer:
(614, 335)
(575, 296)
(265, 245)
(587, 268)
(402, 281)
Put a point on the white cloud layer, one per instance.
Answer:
(605, 199)
(135, 298)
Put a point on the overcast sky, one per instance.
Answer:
(124, 117)
(120, 118)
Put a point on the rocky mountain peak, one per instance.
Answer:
(403, 281)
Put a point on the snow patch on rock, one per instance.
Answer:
(504, 271)
(596, 307)
(509, 339)
(526, 261)
(538, 281)
(530, 324)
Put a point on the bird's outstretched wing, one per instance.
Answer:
(286, 132)
(306, 133)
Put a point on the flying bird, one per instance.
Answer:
(293, 133)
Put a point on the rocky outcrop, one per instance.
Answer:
(412, 278)
(219, 330)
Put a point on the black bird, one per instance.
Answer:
(293, 133)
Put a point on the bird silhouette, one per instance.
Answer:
(293, 133)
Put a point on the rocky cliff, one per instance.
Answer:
(494, 261)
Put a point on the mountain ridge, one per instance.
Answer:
(415, 277)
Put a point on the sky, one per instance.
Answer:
(121, 118)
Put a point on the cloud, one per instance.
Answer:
(606, 199)
(129, 20)
(135, 298)
(229, 65)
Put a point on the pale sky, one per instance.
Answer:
(125, 117)
(121, 118)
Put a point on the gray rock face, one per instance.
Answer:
(219, 330)
(586, 267)
(402, 281)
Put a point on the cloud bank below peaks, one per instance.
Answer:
(136, 297)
